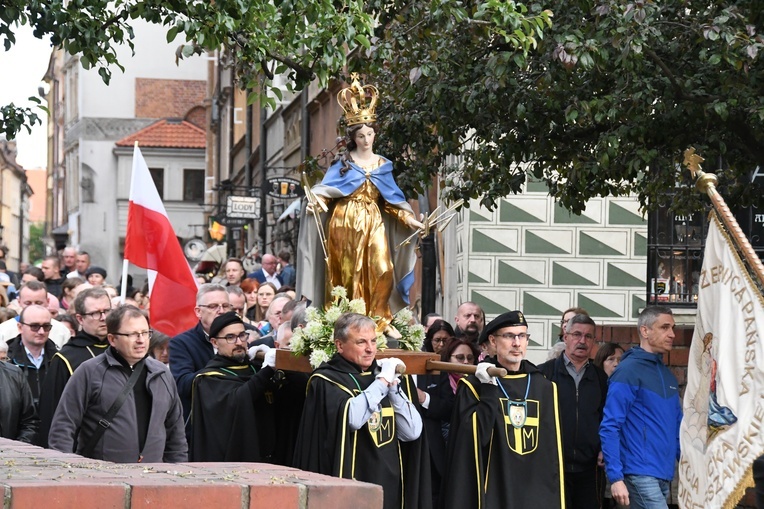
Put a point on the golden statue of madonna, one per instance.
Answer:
(365, 216)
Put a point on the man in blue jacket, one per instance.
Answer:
(640, 428)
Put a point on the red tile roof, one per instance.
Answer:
(167, 134)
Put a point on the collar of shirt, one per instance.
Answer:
(36, 361)
(569, 364)
(572, 371)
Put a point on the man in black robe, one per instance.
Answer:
(232, 401)
(504, 442)
(91, 308)
(359, 421)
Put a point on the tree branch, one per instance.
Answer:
(302, 72)
(678, 90)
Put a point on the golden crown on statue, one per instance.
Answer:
(358, 102)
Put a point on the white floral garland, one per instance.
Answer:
(316, 340)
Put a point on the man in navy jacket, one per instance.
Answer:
(190, 351)
(581, 391)
(640, 428)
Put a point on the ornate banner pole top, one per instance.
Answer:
(706, 183)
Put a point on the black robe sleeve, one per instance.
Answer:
(323, 427)
(56, 377)
(232, 421)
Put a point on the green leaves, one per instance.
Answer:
(308, 39)
(14, 118)
(596, 100)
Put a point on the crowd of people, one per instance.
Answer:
(85, 373)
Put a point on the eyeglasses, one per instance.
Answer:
(134, 336)
(578, 335)
(461, 357)
(36, 326)
(215, 307)
(511, 336)
(233, 338)
(441, 340)
(96, 315)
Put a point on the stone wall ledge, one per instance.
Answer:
(35, 477)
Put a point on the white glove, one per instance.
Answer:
(270, 358)
(482, 373)
(387, 368)
(257, 348)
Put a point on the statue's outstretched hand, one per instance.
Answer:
(316, 203)
(412, 223)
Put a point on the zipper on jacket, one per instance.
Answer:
(663, 382)
(575, 435)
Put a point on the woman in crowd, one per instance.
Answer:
(438, 336)
(608, 357)
(159, 347)
(70, 322)
(96, 275)
(249, 287)
(436, 398)
(265, 294)
(462, 351)
(67, 291)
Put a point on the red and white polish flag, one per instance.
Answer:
(150, 243)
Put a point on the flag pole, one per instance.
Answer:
(706, 183)
(125, 261)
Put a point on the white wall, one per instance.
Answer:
(99, 228)
(154, 58)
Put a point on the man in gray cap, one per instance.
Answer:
(502, 426)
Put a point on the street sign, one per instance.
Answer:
(243, 207)
(232, 222)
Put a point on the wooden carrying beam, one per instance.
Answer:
(417, 363)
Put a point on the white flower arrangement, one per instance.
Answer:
(412, 336)
(316, 339)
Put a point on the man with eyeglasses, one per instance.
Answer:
(91, 307)
(31, 350)
(34, 292)
(581, 389)
(503, 448)
(190, 351)
(233, 402)
(145, 425)
(268, 273)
